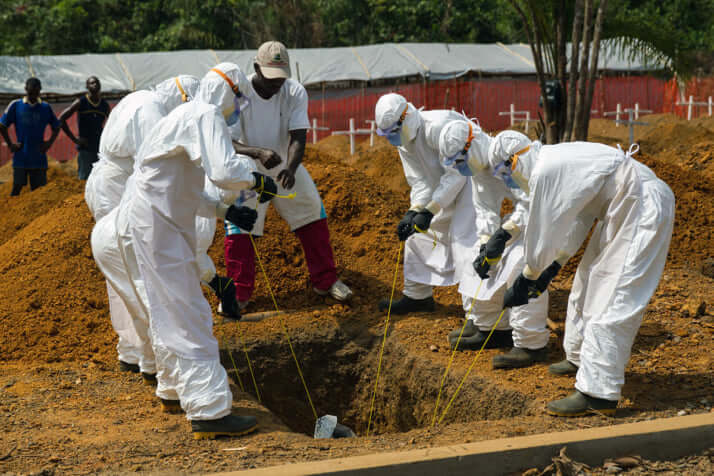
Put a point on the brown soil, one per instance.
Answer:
(66, 408)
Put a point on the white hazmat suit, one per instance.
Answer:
(528, 322)
(127, 127)
(442, 191)
(157, 222)
(570, 185)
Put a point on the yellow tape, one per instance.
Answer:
(285, 330)
(384, 337)
(433, 233)
(453, 353)
(471, 367)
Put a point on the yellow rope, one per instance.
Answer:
(250, 367)
(282, 323)
(426, 232)
(230, 354)
(471, 366)
(453, 353)
(384, 338)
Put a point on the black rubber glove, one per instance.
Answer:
(546, 277)
(481, 265)
(491, 253)
(263, 184)
(405, 227)
(422, 220)
(524, 288)
(225, 290)
(517, 295)
(243, 217)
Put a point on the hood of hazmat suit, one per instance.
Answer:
(224, 86)
(512, 157)
(397, 120)
(464, 146)
(177, 90)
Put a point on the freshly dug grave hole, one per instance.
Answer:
(340, 372)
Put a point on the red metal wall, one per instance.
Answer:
(483, 99)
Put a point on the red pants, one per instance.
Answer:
(315, 240)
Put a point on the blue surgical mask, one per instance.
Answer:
(240, 103)
(503, 171)
(395, 138)
(464, 169)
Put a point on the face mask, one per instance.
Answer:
(395, 138)
(393, 134)
(240, 103)
(464, 169)
(503, 171)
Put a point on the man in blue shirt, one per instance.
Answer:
(31, 116)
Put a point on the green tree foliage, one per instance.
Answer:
(682, 28)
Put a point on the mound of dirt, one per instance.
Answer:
(698, 157)
(53, 306)
(24, 208)
(671, 135)
(693, 224)
(362, 215)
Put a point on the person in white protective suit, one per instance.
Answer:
(127, 126)
(464, 147)
(571, 185)
(156, 222)
(436, 244)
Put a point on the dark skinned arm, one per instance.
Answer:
(296, 151)
(45, 146)
(66, 114)
(267, 157)
(5, 135)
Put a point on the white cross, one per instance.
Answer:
(691, 103)
(352, 133)
(314, 129)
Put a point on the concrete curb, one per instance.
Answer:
(668, 438)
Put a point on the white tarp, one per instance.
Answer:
(119, 72)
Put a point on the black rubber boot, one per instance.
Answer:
(518, 357)
(469, 330)
(127, 367)
(149, 379)
(564, 367)
(171, 406)
(229, 425)
(406, 305)
(499, 340)
(579, 404)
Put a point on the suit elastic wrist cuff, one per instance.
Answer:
(529, 273)
(416, 208)
(511, 228)
(433, 207)
(483, 239)
(562, 258)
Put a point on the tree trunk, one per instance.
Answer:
(593, 64)
(574, 59)
(561, 63)
(582, 77)
(535, 42)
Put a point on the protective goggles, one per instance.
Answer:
(505, 169)
(395, 128)
(240, 102)
(463, 153)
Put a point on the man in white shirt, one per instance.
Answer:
(273, 131)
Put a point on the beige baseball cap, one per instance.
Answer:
(273, 60)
